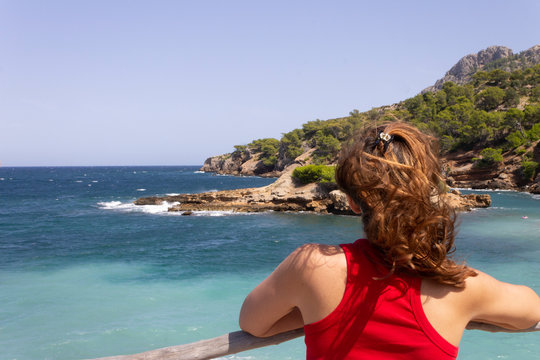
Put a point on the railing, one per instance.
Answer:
(239, 341)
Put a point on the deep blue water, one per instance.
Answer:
(85, 273)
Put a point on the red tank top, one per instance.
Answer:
(376, 319)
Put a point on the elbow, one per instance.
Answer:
(250, 328)
(248, 324)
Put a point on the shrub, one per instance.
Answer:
(515, 139)
(489, 157)
(315, 173)
(529, 169)
(534, 132)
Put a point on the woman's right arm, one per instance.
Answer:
(506, 305)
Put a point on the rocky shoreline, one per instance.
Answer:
(285, 194)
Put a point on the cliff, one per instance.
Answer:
(494, 57)
(465, 68)
(507, 175)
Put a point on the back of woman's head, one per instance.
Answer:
(392, 173)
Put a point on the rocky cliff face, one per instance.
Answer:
(248, 164)
(244, 163)
(491, 58)
(508, 175)
(462, 72)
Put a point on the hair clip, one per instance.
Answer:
(386, 139)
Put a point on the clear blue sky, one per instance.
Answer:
(174, 82)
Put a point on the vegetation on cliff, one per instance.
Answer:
(495, 111)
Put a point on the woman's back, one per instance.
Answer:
(377, 317)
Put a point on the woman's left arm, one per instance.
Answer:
(271, 307)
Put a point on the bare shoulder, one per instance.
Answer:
(310, 257)
(496, 302)
(322, 275)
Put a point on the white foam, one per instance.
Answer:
(78, 181)
(1, 179)
(491, 190)
(172, 194)
(141, 189)
(199, 172)
(224, 213)
(162, 209)
(94, 181)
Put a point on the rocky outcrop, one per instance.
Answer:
(535, 187)
(285, 194)
(462, 72)
(244, 163)
(467, 202)
(248, 163)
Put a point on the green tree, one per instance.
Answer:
(531, 115)
(534, 133)
(511, 97)
(498, 78)
(513, 120)
(490, 98)
(291, 144)
(268, 148)
(327, 147)
(528, 169)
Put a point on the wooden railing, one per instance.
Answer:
(239, 341)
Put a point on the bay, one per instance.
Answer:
(85, 273)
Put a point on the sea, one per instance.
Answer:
(85, 273)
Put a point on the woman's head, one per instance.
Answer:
(392, 173)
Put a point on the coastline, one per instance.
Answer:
(286, 194)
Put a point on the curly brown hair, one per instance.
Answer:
(398, 185)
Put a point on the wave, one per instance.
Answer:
(491, 190)
(141, 189)
(162, 209)
(172, 194)
(534, 196)
(199, 172)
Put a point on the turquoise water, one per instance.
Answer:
(84, 273)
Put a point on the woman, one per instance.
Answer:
(397, 294)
